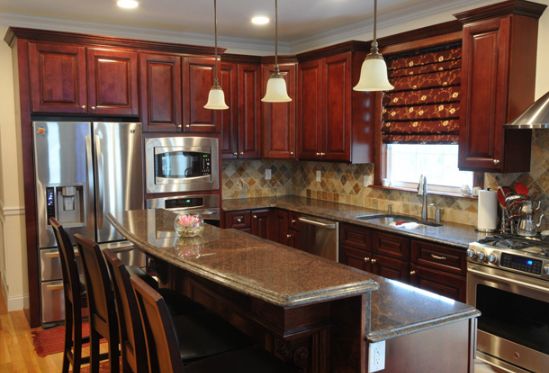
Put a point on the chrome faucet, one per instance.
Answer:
(422, 191)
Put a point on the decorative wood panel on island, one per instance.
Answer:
(306, 310)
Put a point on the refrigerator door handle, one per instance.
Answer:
(90, 214)
(98, 161)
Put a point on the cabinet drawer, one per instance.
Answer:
(238, 219)
(442, 283)
(391, 245)
(439, 257)
(390, 267)
(354, 236)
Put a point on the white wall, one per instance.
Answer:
(12, 234)
(13, 265)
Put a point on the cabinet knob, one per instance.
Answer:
(178, 125)
(288, 235)
(188, 125)
(373, 261)
(241, 153)
(255, 216)
(239, 219)
(366, 259)
(291, 153)
(235, 154)
(83, 106)
(294, 221)
(93, 107)
(317, 153)
(322, 154)
(496, 161)
(412, 272)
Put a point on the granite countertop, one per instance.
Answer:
(449, 233)
(260, 268)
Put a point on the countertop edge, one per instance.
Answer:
(312, 297)
(386, 334)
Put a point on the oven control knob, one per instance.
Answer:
(471, 253)
(492, 259)
(480, 256)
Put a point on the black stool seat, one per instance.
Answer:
(249, 360)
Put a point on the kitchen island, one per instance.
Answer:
(317, 314)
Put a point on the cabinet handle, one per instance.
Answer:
(235, 154)
(93, 107)
(438, 257)
(366, 259)
(178, 125)
(373, 261)
(187, 125)
(412, 272)
(239, 219)
(255, 216)
(288, 235)
(496, 161)
(83, 106)
(317, 154)
(322, 154)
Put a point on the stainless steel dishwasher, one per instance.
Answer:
(318, 236)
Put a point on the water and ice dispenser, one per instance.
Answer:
(66, 204)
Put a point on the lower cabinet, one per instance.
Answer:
(271, 224)
(434, 267)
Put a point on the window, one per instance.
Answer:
(406, 162)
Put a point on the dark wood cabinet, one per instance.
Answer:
(198, 77)
(439, 282)
(390, 267)
(58, 78)
(391, 245)
(228, 118)
(263, 224)
(497, 84)
(249, 119)
(68, 78)
(160, 77)
(112, 81)
(334, 122)
(440, 257)
(241, 220)
(279, 119)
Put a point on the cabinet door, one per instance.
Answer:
(356, 258)
(391, 245)
(249, 96)
(390, 267)
(439, 282)
(439, 257)
(337, 87)
(112, 82)
(58, 78)
(279, 118)
(311, 105)
(237, 219)
(198, 74)
(262, 224)
(227, 118)
(281, 226)
(160, 94)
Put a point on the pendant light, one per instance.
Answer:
(216, 97)
(276, 85)
(373, 74)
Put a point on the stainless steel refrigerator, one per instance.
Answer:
(84, 170)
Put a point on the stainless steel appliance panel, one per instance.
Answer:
(118, 173)
(177, 181)
(53, 301)
(319, 236)
(60, 155)
(206, 205)
(50, 265)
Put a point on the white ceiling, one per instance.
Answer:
(298, 19)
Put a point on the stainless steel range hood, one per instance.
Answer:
(536, 116)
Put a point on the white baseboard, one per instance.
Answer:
(18, 303)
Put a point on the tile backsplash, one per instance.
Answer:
(346, 183)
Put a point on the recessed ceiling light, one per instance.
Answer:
(260, 20)
(127, 4)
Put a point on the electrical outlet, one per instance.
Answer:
(268, 174)
(318, 176)
(376, 356)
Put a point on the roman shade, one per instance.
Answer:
(424, 107)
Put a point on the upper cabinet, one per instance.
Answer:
(335, 123)
(67, 78)
(279, 120)
(497, 84)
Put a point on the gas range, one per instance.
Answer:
(512, 253)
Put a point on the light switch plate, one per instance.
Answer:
(268, 174)
(376, 356)
(318, 176)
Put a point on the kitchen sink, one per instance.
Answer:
(396, 220)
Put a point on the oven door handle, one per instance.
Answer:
(509, 280)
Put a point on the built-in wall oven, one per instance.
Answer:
(510, 286)
(205, 205)
(181, 164)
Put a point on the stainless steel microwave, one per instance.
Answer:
(181, 164)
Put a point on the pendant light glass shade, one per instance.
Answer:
(216, 97)
(276, 85)
(373, 74)
(276, 89)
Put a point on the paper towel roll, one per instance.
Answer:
(487, 210)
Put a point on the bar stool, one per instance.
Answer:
(103, 319)
(162, 343)
(73, 292)
(209, 335)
